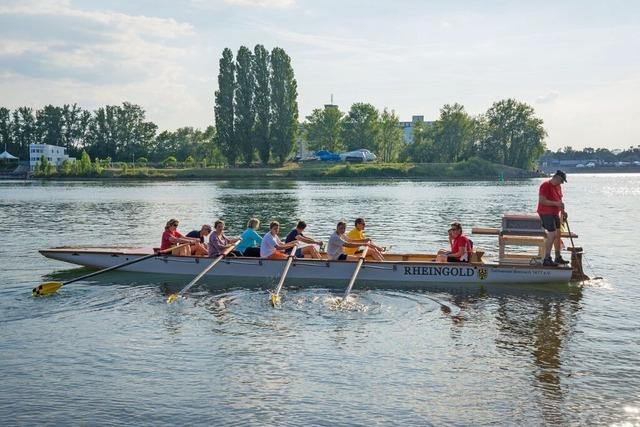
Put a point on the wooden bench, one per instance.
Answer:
(506, 239)
(497, 232)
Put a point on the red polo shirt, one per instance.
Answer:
(550, 192)
(166, 243)
(461, 241)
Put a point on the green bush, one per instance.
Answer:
(189, 162)
(170, 162)
(141, 161)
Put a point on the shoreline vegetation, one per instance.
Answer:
(257, 125)
(472, 169)
(257, 131)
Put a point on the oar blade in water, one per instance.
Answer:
(47, 288)
(275, 299)
(172, 298)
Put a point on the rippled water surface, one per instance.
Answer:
(109, 350)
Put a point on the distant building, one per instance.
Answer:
(56, 155)
(407, 128)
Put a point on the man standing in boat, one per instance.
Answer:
(550, 207)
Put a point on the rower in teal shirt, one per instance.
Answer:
(251, 240)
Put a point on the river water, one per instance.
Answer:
(110, 351)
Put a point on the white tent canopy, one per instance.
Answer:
(6, 156)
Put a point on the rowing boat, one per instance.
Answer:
(396, 271)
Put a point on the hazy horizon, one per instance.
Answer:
(573, 62)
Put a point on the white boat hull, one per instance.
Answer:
(388, 274)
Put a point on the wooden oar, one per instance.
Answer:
(355, 272)
(275, 297)
(445, 308)
(208, 268)
(51, 287)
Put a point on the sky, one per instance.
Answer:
(577, 63)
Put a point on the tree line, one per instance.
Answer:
(120, 133)
(256, 117)
(362, 127)
(508, 133)
(256, 106)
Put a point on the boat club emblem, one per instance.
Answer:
(482, 273)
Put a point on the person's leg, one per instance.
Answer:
(278, 255)
(558, 243)
(548, 244)
(549, 224)
(199, 250)
(310, 252)
(375, 254)
(252, 252)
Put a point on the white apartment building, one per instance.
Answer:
(56, 155)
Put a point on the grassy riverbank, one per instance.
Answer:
(474, 169)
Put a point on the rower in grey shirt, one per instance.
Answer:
(337, 241)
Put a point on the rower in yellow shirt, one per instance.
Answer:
(357, 235)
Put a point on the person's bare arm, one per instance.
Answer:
(544, 201)
(307, 240)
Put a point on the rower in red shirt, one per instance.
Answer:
(461, 245)
(550, 207)
(171, 237)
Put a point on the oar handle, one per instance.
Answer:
(363, 255)
(124, 264)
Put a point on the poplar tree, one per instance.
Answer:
(390, 136)
(284, 105)
(262, 103)
(6, 138)
(223, 109)
(49, 122)
(76, 123)
(243, 103)
(24, 131)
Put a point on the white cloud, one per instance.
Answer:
(548, 98)
(20, 47)
(158, 27)
(104, 44)
(365, 49)
(110, 57)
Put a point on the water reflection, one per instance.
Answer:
(237, 208)
(258, 185)
(540, 326)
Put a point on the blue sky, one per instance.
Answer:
(577, 62)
